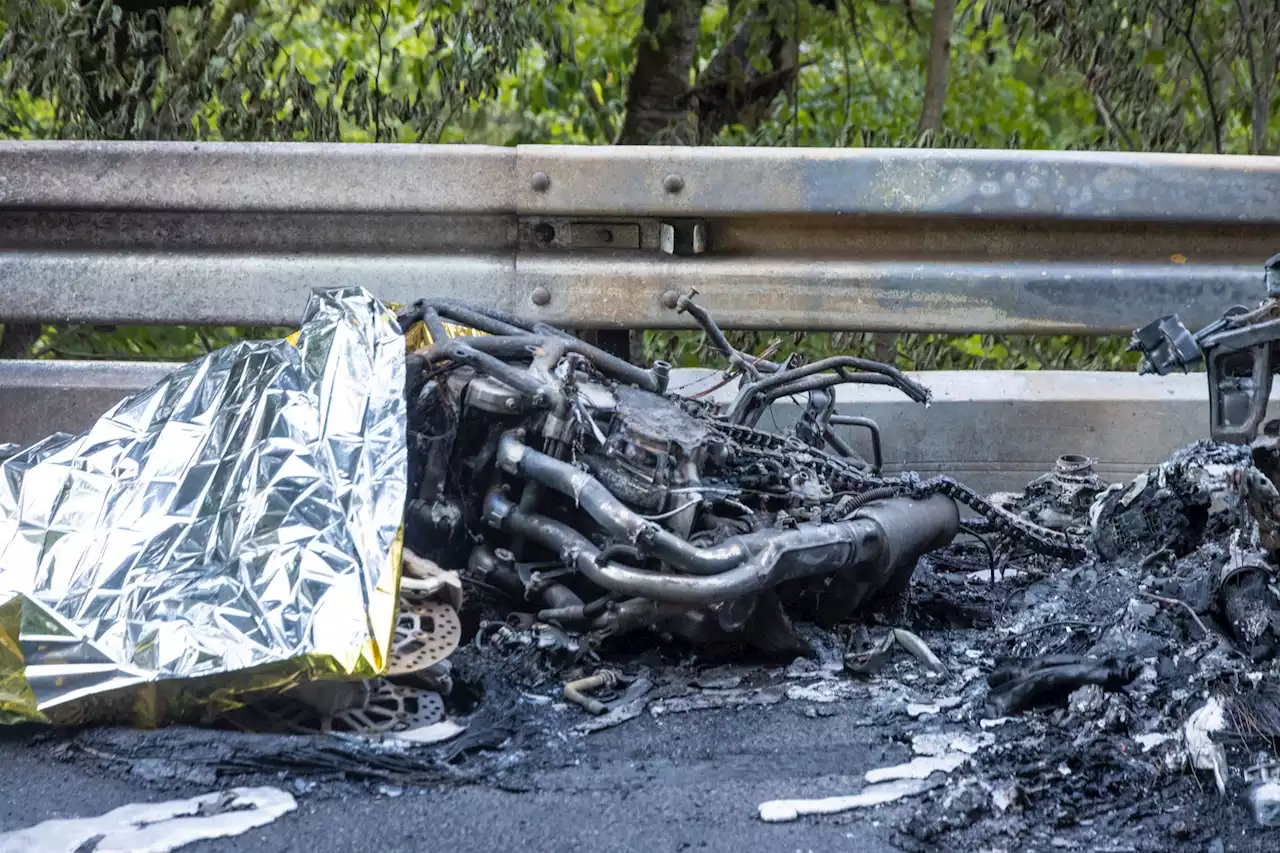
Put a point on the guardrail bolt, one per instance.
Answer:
(670, 299)
(541, 182)
(541, 296)
(673, 183)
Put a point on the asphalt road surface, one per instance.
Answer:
(690, 781)
(694, 781)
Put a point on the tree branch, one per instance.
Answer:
(795, 78)
(1259, 86)
(380, 29)
(862, 55)
(842, 139)
(909, 7)
(1111, 120)
(769, 79)
(732, 88)
(1205, 74)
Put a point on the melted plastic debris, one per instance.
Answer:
(778, 811)
(1150, 741)
(1264, 800)
(707, 700)
(929, 709)
(616, 716)
(155, 827)
(826, 691)
(918, 768)
(1204, 753)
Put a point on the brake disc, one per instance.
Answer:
(388, 707)
(426, 633)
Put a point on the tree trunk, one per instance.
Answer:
(885, 347)
(1262, 69)
(661, 106)
(935, 84)
(657, 103)
(16, 339)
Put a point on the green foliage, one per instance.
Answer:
(342, 70)
(865, 85)
(570, 88)
(912, 352)
(1167, 75)
(144, 343)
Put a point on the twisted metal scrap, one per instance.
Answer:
(233, 528)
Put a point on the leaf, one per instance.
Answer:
(551, 94)
(971, 345)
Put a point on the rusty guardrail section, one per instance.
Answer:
(595, 237)
(592, 237)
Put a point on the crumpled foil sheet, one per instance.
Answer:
(235, 528)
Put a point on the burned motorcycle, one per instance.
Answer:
(576, 483)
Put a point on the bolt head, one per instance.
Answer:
(673, 183)
(540, 296)
(541, 182)
(670, 299)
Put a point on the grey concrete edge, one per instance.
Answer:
(995, 430)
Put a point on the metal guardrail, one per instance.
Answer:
(592, 237)
(901, 240)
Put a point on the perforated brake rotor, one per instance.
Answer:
(426, 633)
(388, 707)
